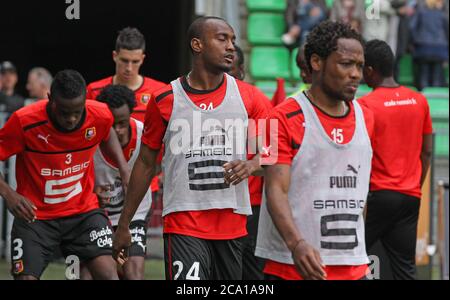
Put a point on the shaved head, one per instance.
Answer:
(199, 26)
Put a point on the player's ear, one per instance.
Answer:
(316, 62)
(196, 45)
(143, 56)
(114, 55)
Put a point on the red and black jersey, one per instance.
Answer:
(290, 119)
(208, 224)
(143, 93)
(54, 167)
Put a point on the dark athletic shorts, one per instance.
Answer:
(33, 245)
(138, 231)
(191, 258)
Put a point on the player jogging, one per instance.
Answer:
(311, 226)
(54, 205)
(204, 207)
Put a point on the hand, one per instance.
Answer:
(236, 171)
(121, 243)
(100, 190)
(21, 207)
(308, 262)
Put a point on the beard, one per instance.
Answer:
(334, 94)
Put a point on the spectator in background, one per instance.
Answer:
(429, 32)
(11, 100)
(38, 84)
(404, 9)
(349, 11)
(377, 27)
(301, 17)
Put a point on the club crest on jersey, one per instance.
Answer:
(145, 98)
(90, 133)
(18, 267)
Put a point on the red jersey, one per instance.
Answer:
(54, 167)
(207, 224)
(402, 118)
(143, 93)
(290, 135)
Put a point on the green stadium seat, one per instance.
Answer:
(267, 87)
(441, 138)
(269, 63)
(411, 87)
(436, 92)
(438, 108)
(329, 3)
(363, 89)
(295, 71)
(266, 5)
(405, 75)
(265, 28)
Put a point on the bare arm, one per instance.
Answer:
(306, 258)
(18, 205)
(112, 149)
(141, 176)
(425, 155)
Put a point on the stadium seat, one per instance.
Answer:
(266, 5)
(441, 138)
(269, 63)
(363, 89)
(295, 71)
(265, 28)
(405, 75)
(267, 87)
(438, 108)
(436, 92)
(329, 3)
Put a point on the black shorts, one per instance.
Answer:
(392, 219)
(191, 258)
(33, 245)
(252, 266)
(138, 230)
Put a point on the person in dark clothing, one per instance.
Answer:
(429, 32)
(9, 101)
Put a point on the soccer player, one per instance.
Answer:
(54, 205)
(312, 226)
(204, 207)
(252, 266)
(403, 123)
(128, 56)
(121, 102)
